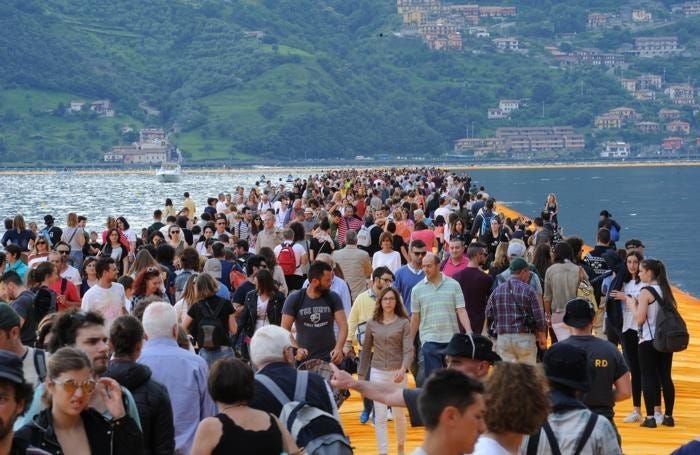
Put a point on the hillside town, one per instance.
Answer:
(152, 148)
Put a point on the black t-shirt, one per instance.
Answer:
(605, 366)
(24, 307)
(314, 321)
(241, 292)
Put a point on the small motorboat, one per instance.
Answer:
(169, 173)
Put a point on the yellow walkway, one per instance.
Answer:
(635, 440)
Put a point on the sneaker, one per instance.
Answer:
(389, 415)
(668, 422)
(633, 417)
(364, 417)
(649, 422)
(659, 418)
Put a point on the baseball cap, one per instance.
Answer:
(213, 268)
(517, 264)
(579, 313)
(476, 347)
(11, 367)
(567, 365)
(605, 213)
(516, 248)
(48, 219)
(8, 317)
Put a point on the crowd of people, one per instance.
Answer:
(187, 338)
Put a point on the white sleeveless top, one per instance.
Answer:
(649, 326)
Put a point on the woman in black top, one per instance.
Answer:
(238, 428)
(69, 425)
(262, 306)
(210, 320)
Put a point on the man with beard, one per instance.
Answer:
(476, 285)
(314, 309)
(84, 330)
(16, 393)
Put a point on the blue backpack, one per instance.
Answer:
(486, 222)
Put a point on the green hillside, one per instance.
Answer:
(326, 78)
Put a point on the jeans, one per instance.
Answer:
(517, 347)
(656, 375)
(431, 359)
(630, 349)
(380, 426)
(212, 355)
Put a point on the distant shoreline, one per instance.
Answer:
(364, 165)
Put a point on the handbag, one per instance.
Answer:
(360, 332)
(585, 290)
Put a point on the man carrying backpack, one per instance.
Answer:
(279, 387)
(482, 221)
(368, 236)
(291, 257)
(23, 303)
(34, 364)
(52, 232)
(314, 309)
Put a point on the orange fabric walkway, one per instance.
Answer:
(635, 440)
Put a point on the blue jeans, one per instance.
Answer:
(431, 359)
(211, 356)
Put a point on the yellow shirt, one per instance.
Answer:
(362, 311)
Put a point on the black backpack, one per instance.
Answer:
(671, 334)
(44, 302)
(210, 331)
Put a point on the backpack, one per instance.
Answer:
(44, 302)
(210, 332)
(237, 276)
(614, 233)
(364, 236)
(534, 440)
(297, 414)
(287, 259)
(40, 363)
(671, 334)
(486, 222)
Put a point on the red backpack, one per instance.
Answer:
(287, 259)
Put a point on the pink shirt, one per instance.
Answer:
(451, 269)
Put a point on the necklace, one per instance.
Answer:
(231, 406)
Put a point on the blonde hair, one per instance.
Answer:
(72, 220)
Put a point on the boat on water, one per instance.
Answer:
(169, 173)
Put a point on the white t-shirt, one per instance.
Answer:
(73, 275)
(110, 303)
(391, 260)
(487, 446)
(649, 326)
(261, 317)
(633, 289)
(299, 251)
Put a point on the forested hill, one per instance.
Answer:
(271, 78)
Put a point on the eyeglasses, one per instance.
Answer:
(174, 232)
(39, 242)
(63, 251)
(420, 253)
(71, 385)
(387, 280)
(220, 222)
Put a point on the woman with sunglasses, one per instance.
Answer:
(39, 253)
(114, 248)
(68, 425)
(255, 228)
(176, 238)
(388, 349)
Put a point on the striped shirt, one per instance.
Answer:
(437, 306)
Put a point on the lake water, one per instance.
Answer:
(655, 204)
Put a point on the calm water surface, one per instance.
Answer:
(655, 204)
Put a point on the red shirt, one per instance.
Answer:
(71, 292)
(451, 269)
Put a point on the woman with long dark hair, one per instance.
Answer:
(632, 286)
(114, 248)
(262, 306)
(388, 334)
(148, 282)
(655, 365)
(89, 275)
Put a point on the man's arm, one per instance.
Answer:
(342, 323)
(415, 323)
(463, 319)
(623, 387)
(387, 393)
(287, 322)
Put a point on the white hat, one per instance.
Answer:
(516, 248)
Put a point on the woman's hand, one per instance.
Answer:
(630, 302)
(111, 393)
(618, 295)
(399, 376)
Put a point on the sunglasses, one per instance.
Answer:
(420, 253)
(63, 251)
(39, 242)
(71, 385)
(174, 232)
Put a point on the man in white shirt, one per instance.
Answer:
(106, 297)
(67, 271)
